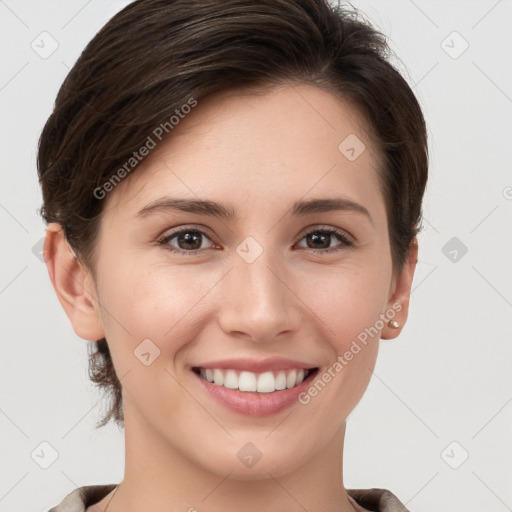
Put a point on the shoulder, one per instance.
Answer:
(83, 497)
(379, 500)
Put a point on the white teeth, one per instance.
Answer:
(247, 381)
(231, 380)
(266, 382)
(281, 381)
(218, 377)
(291, 379)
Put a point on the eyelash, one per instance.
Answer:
(346, 240)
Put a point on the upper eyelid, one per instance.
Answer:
(178, 229)
(325, 227)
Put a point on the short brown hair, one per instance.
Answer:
(154, 55)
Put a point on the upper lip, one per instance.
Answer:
(256, 365)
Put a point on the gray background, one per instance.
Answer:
(441, 392)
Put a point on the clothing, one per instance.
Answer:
(377, 500)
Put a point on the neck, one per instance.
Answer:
(159, 477)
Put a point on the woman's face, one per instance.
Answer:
(264, 287)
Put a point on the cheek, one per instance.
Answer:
(149, 316)
(348, 300)
(340, 385)
(146, 302)
(349, 303)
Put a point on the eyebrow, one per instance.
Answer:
(213, 209)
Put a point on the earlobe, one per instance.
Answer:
(71, 282)
(399, 299)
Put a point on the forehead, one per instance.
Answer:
(285, 139)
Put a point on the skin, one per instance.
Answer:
(257, 154)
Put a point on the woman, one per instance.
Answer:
(233, 192)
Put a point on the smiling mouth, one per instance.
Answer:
(245, 381)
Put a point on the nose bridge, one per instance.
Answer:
(256, 298)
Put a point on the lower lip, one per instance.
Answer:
(252, 403)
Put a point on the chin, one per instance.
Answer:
(269, 464)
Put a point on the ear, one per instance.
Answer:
(73, 285)
(401, 292)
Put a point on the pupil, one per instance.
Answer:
(189, 239)
(317, 237)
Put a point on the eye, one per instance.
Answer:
(321, 239)
(189, 241)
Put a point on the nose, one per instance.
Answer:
(258, 300)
